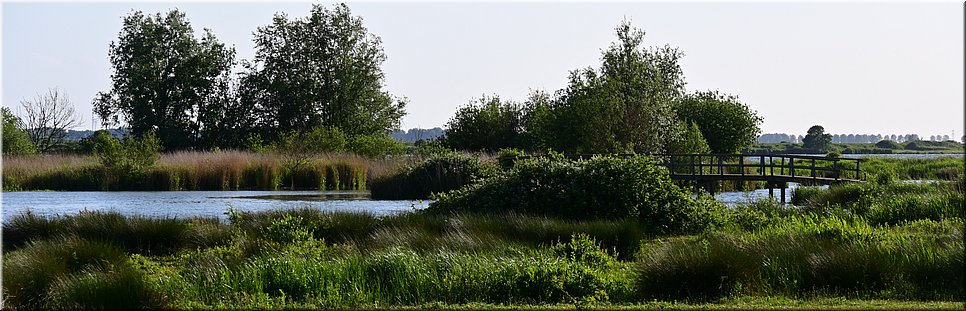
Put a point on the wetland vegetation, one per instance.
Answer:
(605, 232)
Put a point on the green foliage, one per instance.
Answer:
(436, 174)
(690, 140)
(320, 70)
(603, 187)
(728, 125)
(132, 156)
(430, 148)
(167, 81)
(625, 106)
(74, 273)
(888, 144)
(375, 145)
(891, 203)
(133, 234)
(919, 169)
(583, 248)
(816, 139)
(317, 141)
(804, 256)
(487, 124)
(306, 258)
(15, 140)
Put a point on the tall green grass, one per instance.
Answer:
(575, 271)
(892, 203)
(306, 258)
(134, 234)
(71, 273)
(807, 257)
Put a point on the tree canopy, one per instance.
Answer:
(816, 139)
(165, 80)
(321, 70)
(15, 139)
(487, 123)
(728, 125)
(624, 106)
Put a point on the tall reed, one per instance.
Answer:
(189, 170)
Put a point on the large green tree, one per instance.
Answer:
(487, 123)
(728, 125)
(165, 80)
(816, 139)
(321, 70)
(624, 106)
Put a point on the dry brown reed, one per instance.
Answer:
(221, 170)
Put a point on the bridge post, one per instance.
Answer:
(741, 164)
(783, 194)
(692, 164)
(813, 168)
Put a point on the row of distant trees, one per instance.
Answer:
(634, 102)
(850, 138)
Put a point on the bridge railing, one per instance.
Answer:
(800, 166)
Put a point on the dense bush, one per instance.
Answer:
(434, 175)
(375, 145)
(600, 188)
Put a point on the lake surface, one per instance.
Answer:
(185, 204)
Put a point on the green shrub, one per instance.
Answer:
(600, 188)
(131, 155)
(434, 175)
(375, 145)
(888, 144)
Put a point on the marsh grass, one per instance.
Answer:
(70, 272)
(402, 277)
(945, 168)
(891, 203)
(806, 257)
(134, 234)
(306, 258)
(221, 170)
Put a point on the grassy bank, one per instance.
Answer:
(911, 147)
(822, 255)
(225, 170)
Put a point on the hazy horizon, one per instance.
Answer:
(854, 68)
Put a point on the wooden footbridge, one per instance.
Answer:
(776, 170)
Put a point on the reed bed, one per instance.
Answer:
(222, 170)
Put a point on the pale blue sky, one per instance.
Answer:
(871, 68)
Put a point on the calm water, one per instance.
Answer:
(183, 204)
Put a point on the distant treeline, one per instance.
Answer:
(416, 134)
(851, 138)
